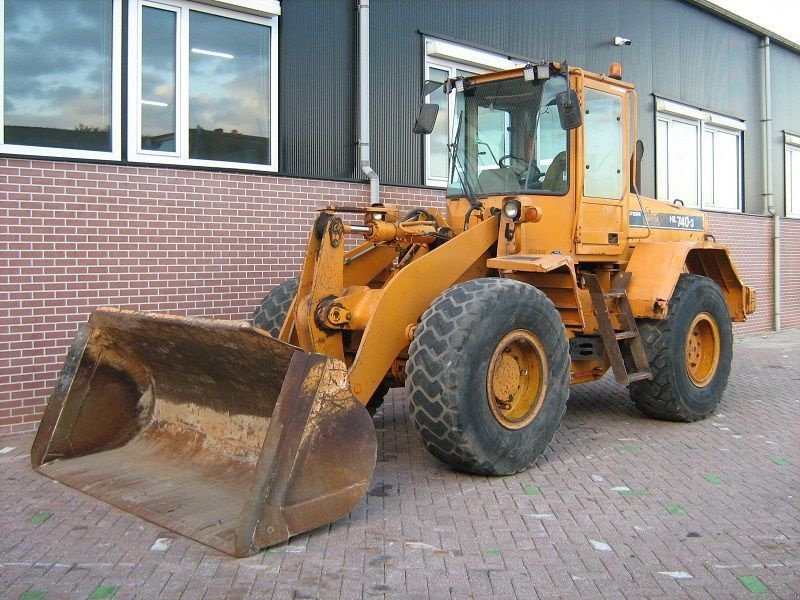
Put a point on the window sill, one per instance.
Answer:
(730, 211)
(174, 161)
(44, 153)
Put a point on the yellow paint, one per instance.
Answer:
(377, 291)
(406, 296)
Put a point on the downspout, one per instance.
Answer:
(767, 184)
(363, 101)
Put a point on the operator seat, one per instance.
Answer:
(497, 180)
(555, 178)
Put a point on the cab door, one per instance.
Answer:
(601, 226)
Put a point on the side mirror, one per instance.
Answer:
(636, 166)
(430, 86)
(569, 110)
(426, 118)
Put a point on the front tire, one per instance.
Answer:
(488, 376)
(689, 352)
(271, 314)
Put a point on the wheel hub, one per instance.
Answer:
(516, 380)
(702, 349)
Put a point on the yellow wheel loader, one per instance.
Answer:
(547, 268)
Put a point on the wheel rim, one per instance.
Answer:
(702, 349)
(516, 381)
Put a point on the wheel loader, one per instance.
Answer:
(546, 268)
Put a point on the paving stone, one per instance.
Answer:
(435, 533)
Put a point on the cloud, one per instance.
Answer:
(240, 103)
(57, 66)
(75, 108)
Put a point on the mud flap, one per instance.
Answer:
(212, 429)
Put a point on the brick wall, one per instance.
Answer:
(78, 236)
(790, 273)
(750, 241)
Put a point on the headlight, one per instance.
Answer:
(512, 209)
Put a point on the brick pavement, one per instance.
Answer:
(620, 506)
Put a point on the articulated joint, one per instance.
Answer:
(331, 313)
(351, 311)
(336, 229)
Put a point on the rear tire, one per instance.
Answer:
(488, 376)
(689, 352)
(271, 314)
(273, 309)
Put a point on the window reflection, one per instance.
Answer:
(158, 79)
(228, 89)
(683, 162)
(439, 136)
(57, 67)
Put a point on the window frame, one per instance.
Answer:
(181, 155)
(116, 101)
(669, 120)
(716, 130)
(705, 121)
(791, 146)
(454, 57)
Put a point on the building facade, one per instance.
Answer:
(169, 155)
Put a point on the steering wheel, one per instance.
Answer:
(512, 157)
(529, 174)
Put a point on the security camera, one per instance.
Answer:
(621, 41)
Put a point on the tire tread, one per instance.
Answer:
(658, 397)
(434, 360)
(271, 312)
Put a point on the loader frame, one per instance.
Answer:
(241, 435)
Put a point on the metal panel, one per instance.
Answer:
(318, 89)
(785, 115)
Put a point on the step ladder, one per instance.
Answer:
(615, 301)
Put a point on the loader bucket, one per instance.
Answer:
(212, 429)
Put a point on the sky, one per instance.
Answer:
(780, 16)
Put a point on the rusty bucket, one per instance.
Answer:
(209, 428)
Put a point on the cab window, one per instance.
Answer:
(603, 151)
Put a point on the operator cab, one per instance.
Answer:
(511, 134)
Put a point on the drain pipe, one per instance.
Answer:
(363, 101)
(767, 187)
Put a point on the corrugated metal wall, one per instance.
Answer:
(317, 88)
(679, 51)
(785, 113)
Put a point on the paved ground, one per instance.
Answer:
(620, 506)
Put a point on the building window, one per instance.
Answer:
(792, 171)
(444, 60)
(60, 78)
(203, 86)
(698, 157)
(202, 81)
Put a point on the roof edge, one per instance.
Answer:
(744, 23)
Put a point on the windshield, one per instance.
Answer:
(509, 139)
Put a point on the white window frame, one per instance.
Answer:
(260, 12)
(452, 57)
(662, 162)
(710, 203)
(116, 100)
(791, 145)
(705, 121)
